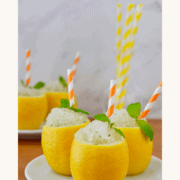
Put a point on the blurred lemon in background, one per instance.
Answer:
(32, 112)
(54, 99)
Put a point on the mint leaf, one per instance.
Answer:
(79, 110)
(119, 131)
(111, 124)
(65, 103)
(102, 117)
(134, 110)
(63, 81)
(146, 128)
(22, 82)
(39, 85)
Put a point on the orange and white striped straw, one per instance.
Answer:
(28, 66)
(151, 101)
(70, 86)
(111, 99)
(77, 57)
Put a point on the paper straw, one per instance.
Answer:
(111, 99)
(77, 57)
(70, 86)
(135, 24)
(124, 63)
(28, 66)
(135, 27)
(151, 101)
(119, 31)
(138, 14)
(128, 27)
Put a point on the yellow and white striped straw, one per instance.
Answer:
(138, 14)
(119, 31)
(123, 63)
(128, 53)
(128, 27)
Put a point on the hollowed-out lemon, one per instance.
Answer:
(32, 112)
(140, 150)
(54, 99)
(99, 162)
(56, 144)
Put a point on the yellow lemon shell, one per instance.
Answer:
(32, 112)
(56, 144)
(140, 150)
(95, 162)
(54, 99)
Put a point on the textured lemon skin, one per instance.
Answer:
(56, 144)
(32, 112)
(54, 99)
(140, 150)
(94, 162)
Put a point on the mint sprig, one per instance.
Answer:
(134, 111)
(39, 85)
(22, 82)
(63, 81)
(146, 128)
(119, 131)
(79, 110)
(65, 104)
(104, 118)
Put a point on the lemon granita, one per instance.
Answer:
(56, 86)
(63, 117)
(30, 92)
(98, 132)
(121, 118)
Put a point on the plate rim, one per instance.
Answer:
(38, 157)
(25, 171)
(37, 131)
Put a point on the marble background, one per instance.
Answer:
(55, 30)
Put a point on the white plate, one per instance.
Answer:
(30, 134)
(38, 169)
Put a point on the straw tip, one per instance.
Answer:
(69, 70)
(78, 53)
(112, 81)
(130, 6)
(119, 5)
(28, 53)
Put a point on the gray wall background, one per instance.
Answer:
(55, 30)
